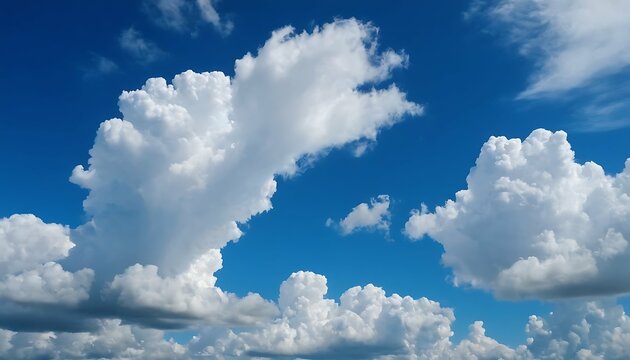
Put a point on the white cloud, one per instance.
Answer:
(479, 346)
(111, 340)
(534, 223)
(26, 242)
(47, 284)
(580, 51)
(189, 161)
(191, 293)
(364, 324)
(141, 49)
(574, 42)
(183, 15)
(28, 273)
(581, 330)
(373, 216)
(210, 15)
(168, 13)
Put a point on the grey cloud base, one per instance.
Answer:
(364, 324)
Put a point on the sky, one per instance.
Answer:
(202, 179)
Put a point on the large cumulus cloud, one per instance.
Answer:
(191, 160)
(533, 222)
(170, 181)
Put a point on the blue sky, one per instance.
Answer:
(476, 69)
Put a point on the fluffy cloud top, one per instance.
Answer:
(585, 330)
(371, 216)
(364, 324)
(26, 241)
(28, 271)
(189, 294)
(534, 223)
(575, 41)
(367, 324)
(191, 160)
(171, 180)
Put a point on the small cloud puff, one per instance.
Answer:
(373, 216)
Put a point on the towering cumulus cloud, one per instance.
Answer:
(171, 180)
(534, 222)
(191, 160)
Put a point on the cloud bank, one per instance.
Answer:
(364, 324)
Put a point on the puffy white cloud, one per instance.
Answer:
(575, 42)
(580, 330)
(141, 49)
(191, 160)
(111, 340)
(47, 284)
(479, 346)
(170, 182)
(191, 293)
(371, 216)
(26, 242)
(28, 271)
(364, 324)
(535, 223)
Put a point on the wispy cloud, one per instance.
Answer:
(141, 49)
(576, 46)
(186, 15)
(556, 228)
(99, 65)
